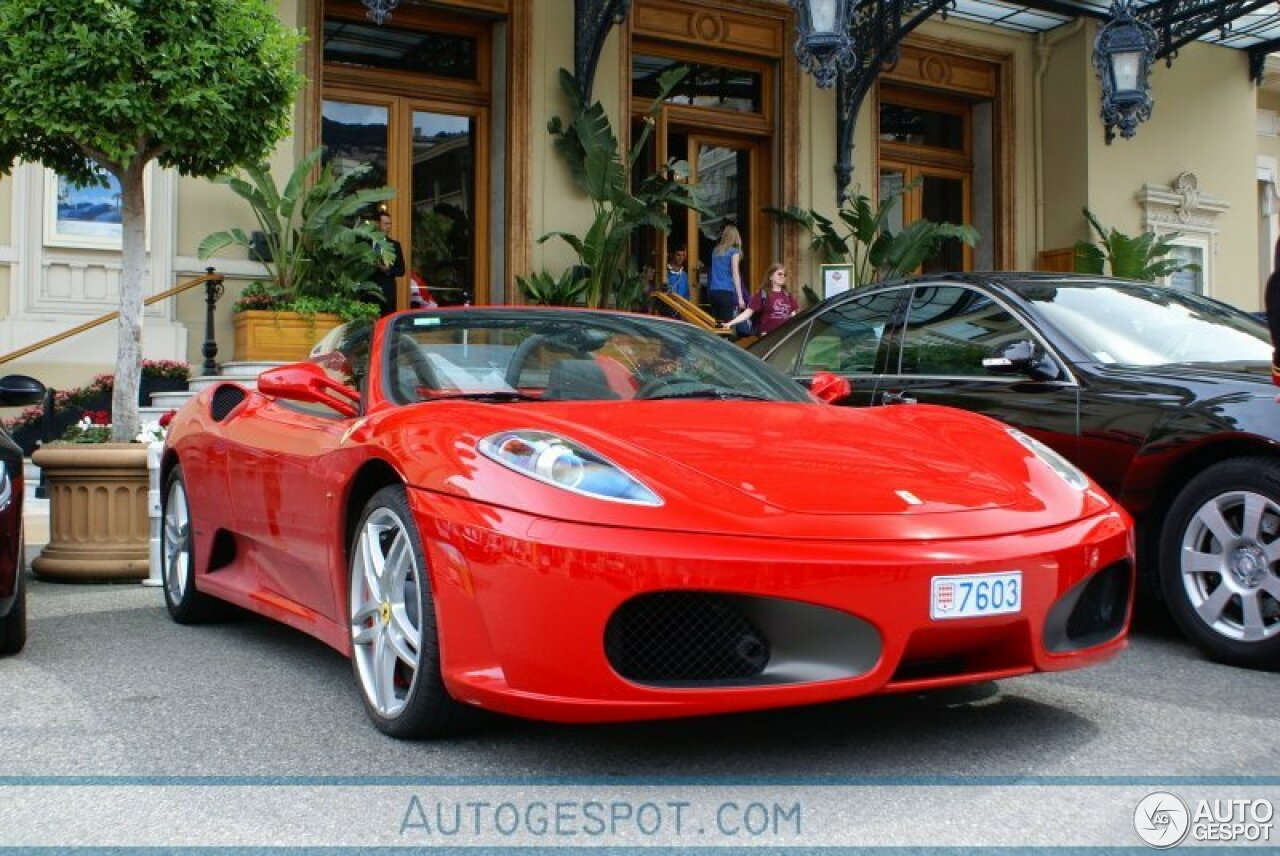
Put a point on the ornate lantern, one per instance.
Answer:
(380, 10)
(1122, 56)
(823, 46)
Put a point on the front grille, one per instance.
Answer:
(685, 638)
(225, 399)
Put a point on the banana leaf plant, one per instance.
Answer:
(313, 248)
(1144, 257)
(862, 237)
(622, 205)
(544, 289)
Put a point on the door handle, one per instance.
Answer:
(896, 398)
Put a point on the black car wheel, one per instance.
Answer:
(1220, 562)
(13, 627)
(177, 557)
(395, 652)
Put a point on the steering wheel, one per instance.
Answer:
(654, 384)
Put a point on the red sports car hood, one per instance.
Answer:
(758, 468)
(811, 459)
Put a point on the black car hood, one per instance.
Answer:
(1252, 378)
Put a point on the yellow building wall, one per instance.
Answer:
(1068, 115)
(1204, 122)
(557, 205)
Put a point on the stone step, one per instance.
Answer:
(170, 400)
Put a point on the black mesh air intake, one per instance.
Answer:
(225, 398)
(686, 638)
(1092, 612)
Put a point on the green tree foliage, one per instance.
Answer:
(1144, 257)
(90, 85)
(865, 241)
(320, 253)
(622, 205)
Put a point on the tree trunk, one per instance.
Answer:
(124, 398)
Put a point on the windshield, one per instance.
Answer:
(512, 355)
(1150, 325)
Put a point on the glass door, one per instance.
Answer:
(936, 194)
(442, 253)
(725, 172)
(432, 156)
(926, 150)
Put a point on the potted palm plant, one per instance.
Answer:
(320, 257)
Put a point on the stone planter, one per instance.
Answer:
(265, 335)
(98, 526)
(150, 385)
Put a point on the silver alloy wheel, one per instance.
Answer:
(386, 611)
(1229, 558)
(177, 539)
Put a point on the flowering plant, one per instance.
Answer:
(175, 369)
(95, 427)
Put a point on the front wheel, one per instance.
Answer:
(395, 652)
(1220, 562)
(177, 557)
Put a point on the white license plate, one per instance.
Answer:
(970, 595)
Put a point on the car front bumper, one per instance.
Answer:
(529, 612)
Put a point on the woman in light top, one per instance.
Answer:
(724, 283)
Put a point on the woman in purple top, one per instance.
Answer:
(772, 304)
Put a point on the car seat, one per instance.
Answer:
(578, 380)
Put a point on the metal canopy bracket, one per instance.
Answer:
(876, 30)
(594, 19)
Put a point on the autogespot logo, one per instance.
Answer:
(1161, 819)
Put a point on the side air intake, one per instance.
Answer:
(225, 399)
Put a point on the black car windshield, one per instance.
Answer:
(513, 356)
(1152, 325)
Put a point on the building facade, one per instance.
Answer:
(448, 102)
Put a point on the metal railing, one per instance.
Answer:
(213, 288)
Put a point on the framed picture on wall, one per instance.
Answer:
(88, 216)
(836, 279)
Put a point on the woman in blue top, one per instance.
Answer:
(724, 284)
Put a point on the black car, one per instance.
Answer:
(1163, 397)
(15, 391)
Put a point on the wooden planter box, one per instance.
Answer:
(98, 525)
(264, 335)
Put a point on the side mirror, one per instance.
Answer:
(830, 387)
(17, 390)
(309, 383)
(1021, 358)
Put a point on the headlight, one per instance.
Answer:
(565, 464)
(1069, 472)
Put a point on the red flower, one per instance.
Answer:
(166, 418)
(99, 417)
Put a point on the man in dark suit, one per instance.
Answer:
(385, 276)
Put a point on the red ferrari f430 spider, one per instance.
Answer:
(588, 516)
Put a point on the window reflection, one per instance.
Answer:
(704, 86)
(443, 204)
(355, 135)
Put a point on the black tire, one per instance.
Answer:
(13, 627)
(415, 704)
(1220, 562)
(177, 557)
